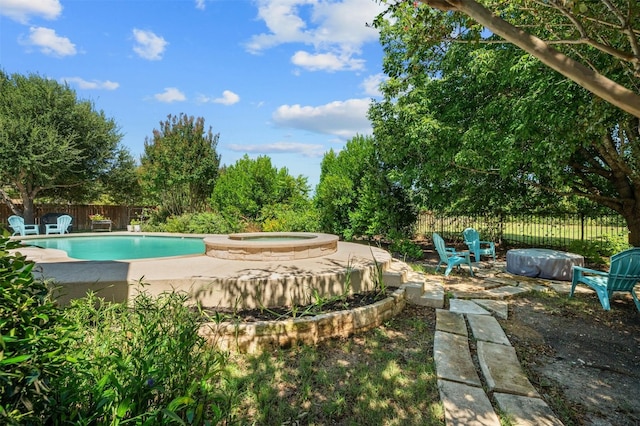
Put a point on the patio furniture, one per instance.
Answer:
(450, 257)
(60, 227)
(623, 275)
(101, 225)
(52, 219)
(543, 263)
(478, 247)
(19, 227)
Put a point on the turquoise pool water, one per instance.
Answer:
(122, 247)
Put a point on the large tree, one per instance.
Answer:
(485, 124)
(563, 34)
(180, 165)
(51, 142)
(356, 196)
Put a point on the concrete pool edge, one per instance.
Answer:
(214, 282)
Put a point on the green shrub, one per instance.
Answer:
(32, 341)
(284, 218)
(406, 248)
(144, 363)
(598, 251)
(196, 223)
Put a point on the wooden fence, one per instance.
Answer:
(558, 230)
(119, 215)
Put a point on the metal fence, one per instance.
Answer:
(557, 231)
(119, 215)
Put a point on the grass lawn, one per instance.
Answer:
(382, 377)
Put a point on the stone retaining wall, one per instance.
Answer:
(264, 335)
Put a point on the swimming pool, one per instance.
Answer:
(123, 247)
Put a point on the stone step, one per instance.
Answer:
(466, 405)
(453, 359)
(413, 289)
(462, 306)
(502, 371)
(487, 328)
(393, 278)
(526, 411)
(450, 322)
(498, 308)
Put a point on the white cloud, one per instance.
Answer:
(49, 42)
(306, 150)
(336, 30)
(93, 84)
(326, 61)
(228, 98)
(344, 119)
(21, 10)
(200, 4)
(148, 45)
(371, 84)
(170, 94)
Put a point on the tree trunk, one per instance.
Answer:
(28, 208)
(594, 82)
(632, 216)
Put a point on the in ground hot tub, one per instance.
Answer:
(271, 246)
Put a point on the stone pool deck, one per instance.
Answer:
(213, 281)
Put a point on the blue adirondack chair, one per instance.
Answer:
(19, 228)
(60, 227)
(623, 275)
(476, 246)
(449, 256)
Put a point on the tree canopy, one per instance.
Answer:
(251, 188)
(564, 35)
(51, 142)
(180, 165)
(485, 126)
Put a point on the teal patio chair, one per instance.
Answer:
(60, 227)
(449, 256)
(476, 246)
(623, 275)
(19, 228)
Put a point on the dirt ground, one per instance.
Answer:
(584, 360)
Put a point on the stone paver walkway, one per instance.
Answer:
(477, 368)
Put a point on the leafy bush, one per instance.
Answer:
(32, 340)
(406, 248)
(145, 362)
(596, 251)
(196, 223)
(284, 218)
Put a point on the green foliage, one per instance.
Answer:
(121, 183)
(408, 249)
(51, 143)
(598, 251)
(483, 127)
(357, 197)
(32, 341)
(286, 218)
(249, 187)
(179, 166)
(196, 223)
(145, 363)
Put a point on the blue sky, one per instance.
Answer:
(290, 79)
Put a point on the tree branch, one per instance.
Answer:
(594, 82)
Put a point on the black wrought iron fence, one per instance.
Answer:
(558, 230)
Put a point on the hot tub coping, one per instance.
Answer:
(242, 247)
